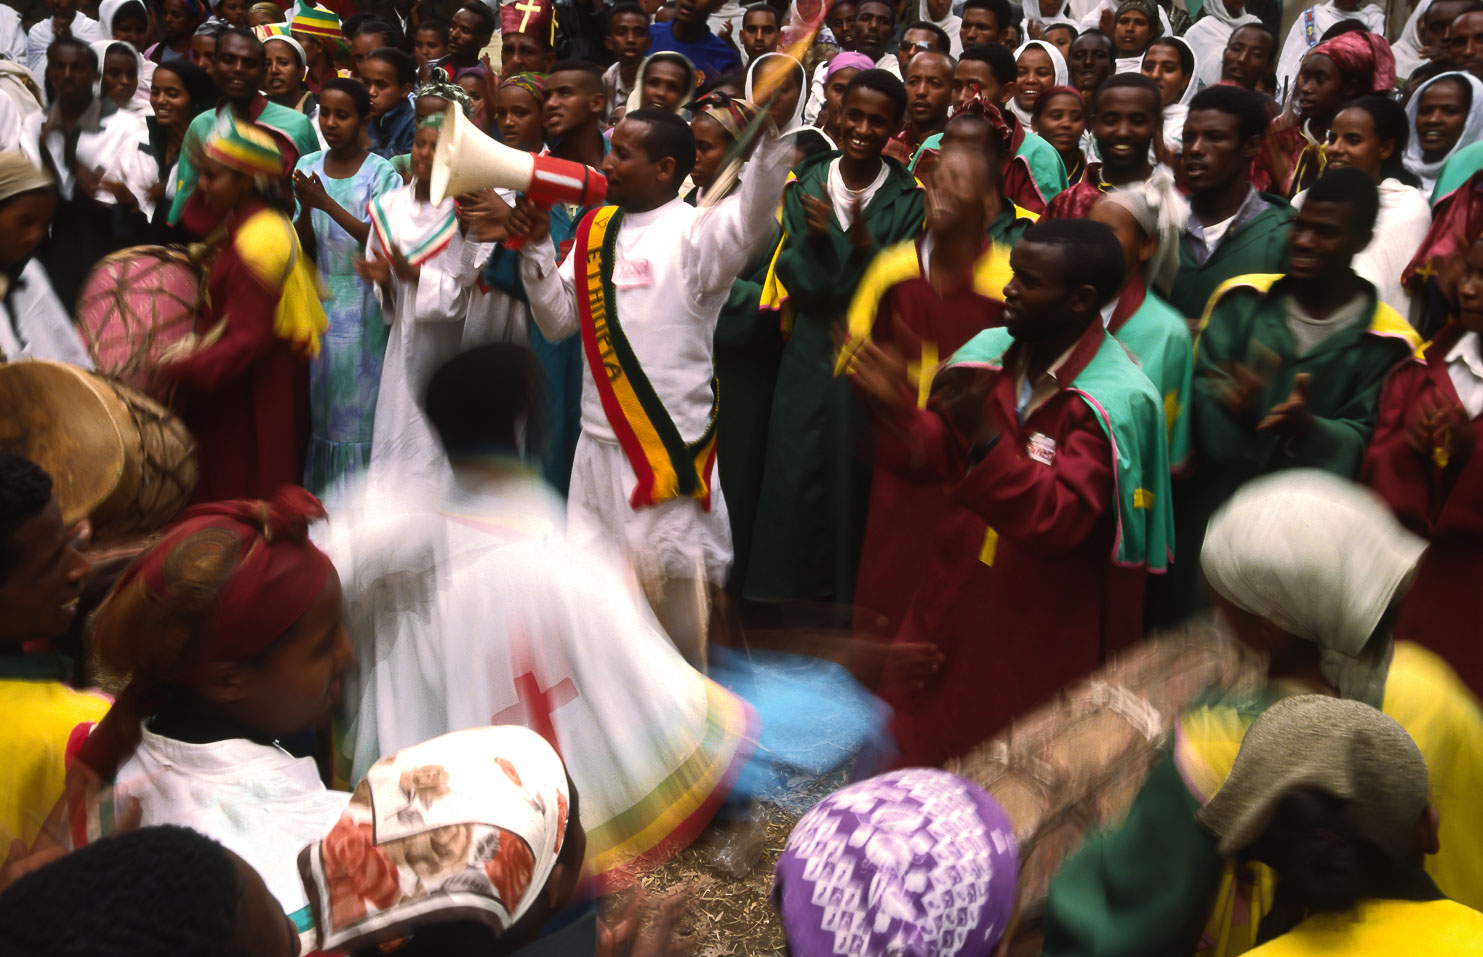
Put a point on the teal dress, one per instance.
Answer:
(345, 378)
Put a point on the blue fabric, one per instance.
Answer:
(816, 719)
(392, 132)
(713, 57)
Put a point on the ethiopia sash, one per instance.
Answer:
(424, 247)
(666, 465)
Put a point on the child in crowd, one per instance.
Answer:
(334, 189)
(429, 44)
(388, 75)
(628, 40)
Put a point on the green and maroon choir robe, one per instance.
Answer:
(897, 305)
(1159, 339)
(1076, 202)
(816, 478)
(1247, 323)
(1037, 572)
(1439, 497)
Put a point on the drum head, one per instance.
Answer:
(135, 305)
(57, 416)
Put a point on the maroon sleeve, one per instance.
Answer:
(1045, 509)
(1460, 513)
(1407, 481)
(247, 334)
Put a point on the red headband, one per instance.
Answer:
(1363, 55)
(275, 575)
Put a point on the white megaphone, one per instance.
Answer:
(467, 161)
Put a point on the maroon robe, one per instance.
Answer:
(1444, 608)
(245, 397)
(1050, 604)
(1076, 202)
(904, 508)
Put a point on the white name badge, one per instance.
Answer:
(1042, 448)
(632, 274)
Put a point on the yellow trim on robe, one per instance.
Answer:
(1385, 321)
(269, 247)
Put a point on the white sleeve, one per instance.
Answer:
(36, 43)
(551, 289)
(815, 104)
(15, 36)
(721, 240)
(135, 165)
(443, 286)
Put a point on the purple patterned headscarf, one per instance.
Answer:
(913, 863)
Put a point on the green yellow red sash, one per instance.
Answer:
(666, 465)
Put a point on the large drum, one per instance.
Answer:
(136, 304)
(114, 454)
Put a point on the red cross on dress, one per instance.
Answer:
(535, 706)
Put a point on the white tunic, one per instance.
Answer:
(39, 328)
(258, 801)
(469, 606)
(674, 269)
(12, 35)
(112, 140)
(84, 28)
(427, 329)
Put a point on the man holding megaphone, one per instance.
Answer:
(644, 284)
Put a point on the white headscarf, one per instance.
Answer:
(1471, 130)
(109, 9)
(135, 104)
(1057, 62)
(949, 24)
(795, 122)
(1321, 558)
(1161, 213)
(1407, 48)
(1175, 112)
(1209, 36)
(636, 96)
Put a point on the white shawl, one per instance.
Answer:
(949, 24)
(1471, 131)
(1057, 62)
(795, 122)
(1407, 48)
(1175, 112)
(1209, 36)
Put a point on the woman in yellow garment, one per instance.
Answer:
(1332, 795)
(1307, 569)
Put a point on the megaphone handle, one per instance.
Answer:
(514, 243)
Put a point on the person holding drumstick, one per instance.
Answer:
(243, 390)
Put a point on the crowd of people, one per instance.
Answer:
(969, 343)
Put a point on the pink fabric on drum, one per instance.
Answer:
(137, 304)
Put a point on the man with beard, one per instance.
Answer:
(1127, 113)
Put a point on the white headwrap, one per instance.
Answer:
(795, 122)
(1209, 36)
(1471, 131)
(1057, 62)
(1161, 213)
(1407, 48)
(135, 103)
(294, 44)
(466, 826)
(636, 96)
(949, 24)
(1175, 113)
(1321, 558)
(109, 9)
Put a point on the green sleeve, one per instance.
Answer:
(1142, 890)
(185, 169)
(742, 322)
(1220, 437)
(1337, 442)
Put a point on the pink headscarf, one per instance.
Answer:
(1362, 54)
(848, 60)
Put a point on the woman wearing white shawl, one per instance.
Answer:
(108, 11)
(1428, 170)
(1210, 34)
(1165, 61)
(1310, 27)
(636, 98)
(1409, 45)
(136, 103)
(1371, 134)
(945, 21)
(1032, 82)
(787, 109)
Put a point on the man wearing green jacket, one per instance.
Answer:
(1233, 230)
(238, 72)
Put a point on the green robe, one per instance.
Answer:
(1159, 340)
(1247, 323)
(1259, 246)
(816, 478)
(294, 126)
(1045, 163)
(1010, 225)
